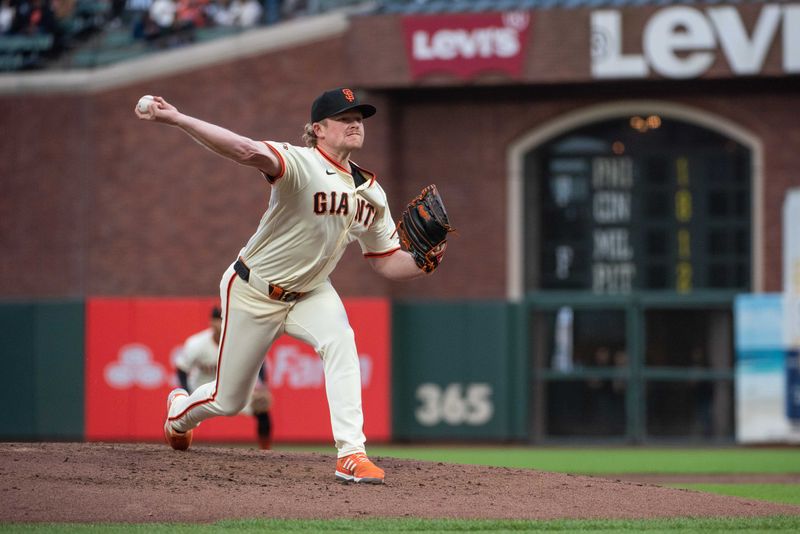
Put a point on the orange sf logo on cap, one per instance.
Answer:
(348, 94)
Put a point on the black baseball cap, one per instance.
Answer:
(337, 101)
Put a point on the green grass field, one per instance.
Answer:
(783, 493)
(597, 461)
(594, 461)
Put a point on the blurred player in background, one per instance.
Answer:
(197, 365)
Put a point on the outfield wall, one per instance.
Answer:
(42, 356)
(100, 371)
(431, 371)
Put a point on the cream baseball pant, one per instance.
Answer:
(251, 323)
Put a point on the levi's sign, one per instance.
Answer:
(684, 42)
(466, 44)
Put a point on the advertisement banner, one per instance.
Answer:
(131, 346)
(791, 290)
(683, 42)
(466, 44)
(765, 366)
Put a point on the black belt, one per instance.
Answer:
(275, 292)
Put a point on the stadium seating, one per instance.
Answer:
(19, 52)
(91, 38)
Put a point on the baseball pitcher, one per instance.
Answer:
(320, 201)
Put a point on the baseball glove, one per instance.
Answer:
(423, 229)
(261, 400)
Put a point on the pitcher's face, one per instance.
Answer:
(344, 131)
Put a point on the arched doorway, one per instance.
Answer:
(637, 226)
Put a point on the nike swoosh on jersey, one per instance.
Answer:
(329, 171)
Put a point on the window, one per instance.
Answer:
(639, 203)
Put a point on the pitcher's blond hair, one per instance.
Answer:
(309, 137)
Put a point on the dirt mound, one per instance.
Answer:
(89, 482)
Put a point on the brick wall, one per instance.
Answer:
(95, 202)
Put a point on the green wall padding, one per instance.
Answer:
(455, 371)
(42, 350)
(60, 359)
(17, 359)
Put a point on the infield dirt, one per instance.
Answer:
(119, 482)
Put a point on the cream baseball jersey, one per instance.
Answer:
(316, 209)
(198, 359)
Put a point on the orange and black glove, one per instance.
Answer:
(423, 229)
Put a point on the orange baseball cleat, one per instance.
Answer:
(358, 468)
(179, 441)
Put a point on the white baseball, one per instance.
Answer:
(144, 103)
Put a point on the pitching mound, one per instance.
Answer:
(90, 482)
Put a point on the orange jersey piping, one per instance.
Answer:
(273, 179)
(336, 164)
(381, 254)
